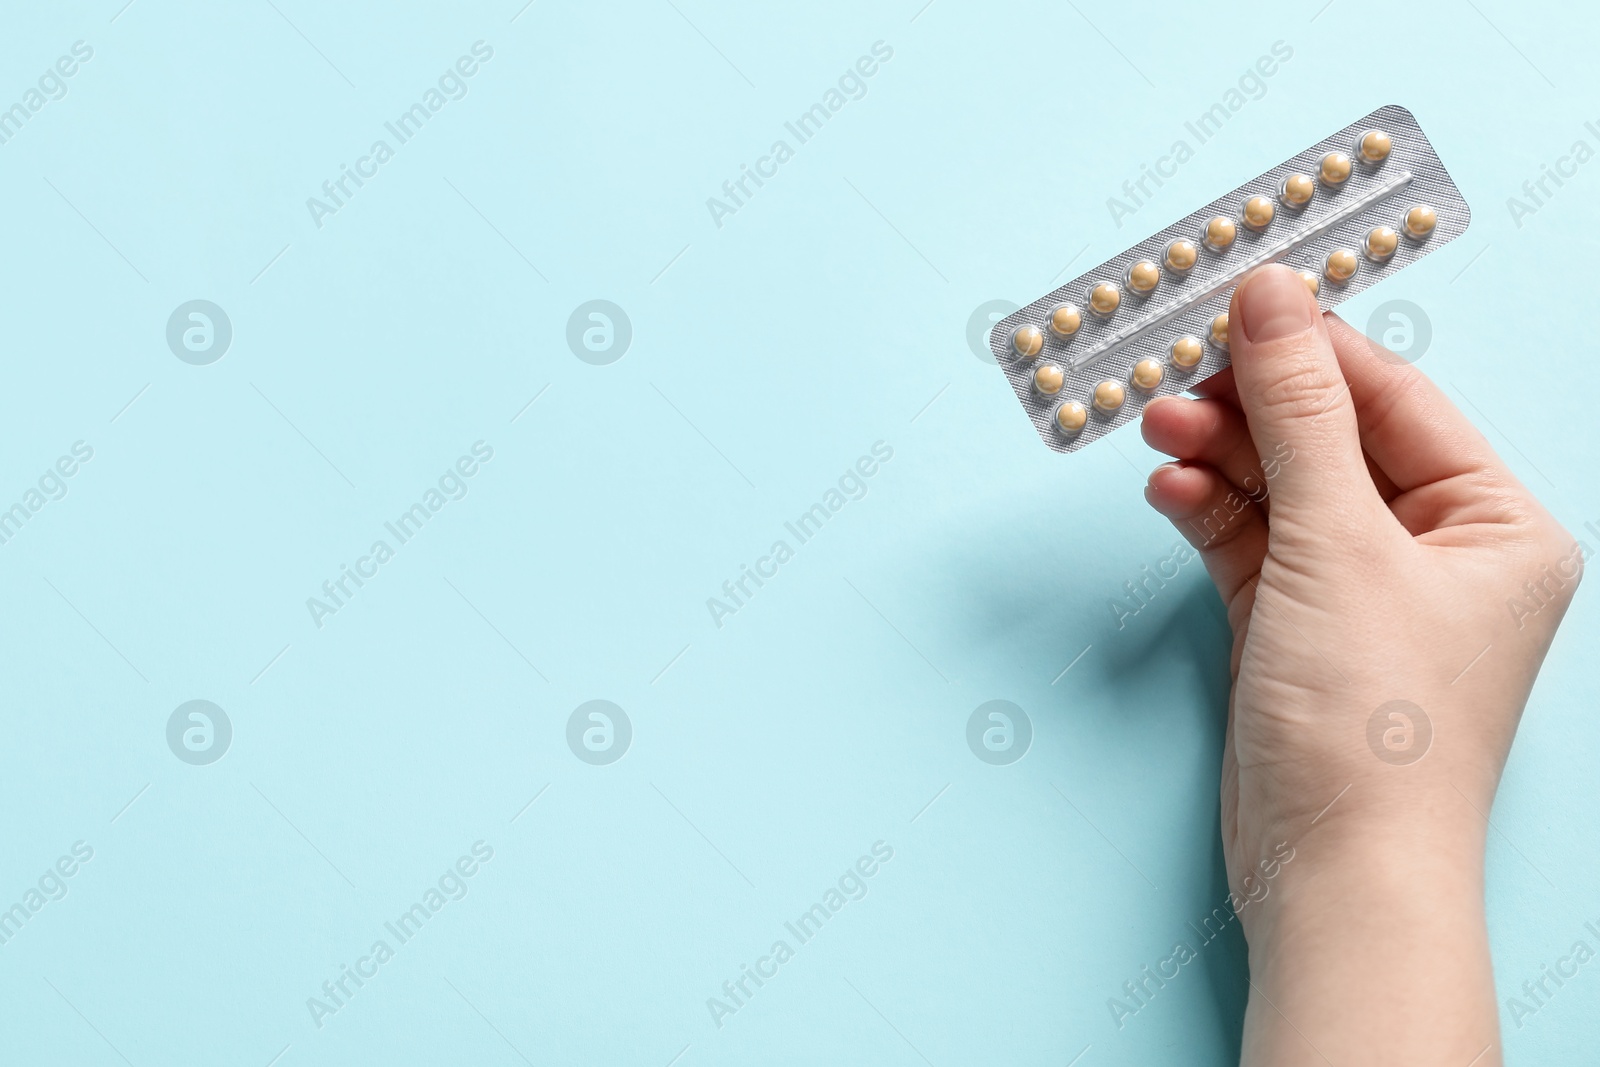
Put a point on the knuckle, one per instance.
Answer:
(1230, 515)
(1568, 554)
(1305, 388)
(1508, 502)
(1553, 559)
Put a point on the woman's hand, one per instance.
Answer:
(1375, 557)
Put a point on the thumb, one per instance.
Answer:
(1296, 401)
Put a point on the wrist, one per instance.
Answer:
(1369, 884)
(1380, 883)
(1359, 940)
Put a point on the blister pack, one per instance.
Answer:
(1346, 213)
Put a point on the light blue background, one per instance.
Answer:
(829, 313)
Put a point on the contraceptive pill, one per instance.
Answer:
(1180, 256)
(1147, 374)
(1419, 221)
(1219, 233)
(1104, 299)
(1219, 331)
(1374, 146)
(1048, 379)
(1065, 320)
(1108, 396)
(1186, 352)
(1026, 342)
(1143, 276)
(1296, 190)
(1257, 212)
(1380, 243)
(1071, 417)
(1340, 266)
(1334, 168)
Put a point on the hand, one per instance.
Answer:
(1370, 548)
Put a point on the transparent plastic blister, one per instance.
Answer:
(1346, 213)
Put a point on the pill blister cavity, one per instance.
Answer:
(1420, 221)
(1297, 190)
(1104, 299)
(1374, 146)
(1108, 396)
(1341, 266)
(1257, 213)
(1146, 375)
(1219, 331)
(1027, 341)
(1181, 256)
(1065, 320)
(1048, 379)
(1334, 169)
(1143, 276)
(1071, 416)
(1220, 233)
(1313, 282)
(1186, 352)
(1380, 243)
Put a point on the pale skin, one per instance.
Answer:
(1370, 559)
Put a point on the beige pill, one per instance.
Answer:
(1108, 396)
(1027, 341)
(1219, 331)
(1071, 416)
(1341, 266)
(1312, 281)
(1186, 352)
(1065, 321)
(1297, 190)
(1220, 233)
(1048, 379)
(1146, 375)
(1420, 221)
(1375, 146)
(1181, 255)
(1335, 168)
(1257, 212)
(1104, 298)
(1143, 276)
(1381, 242)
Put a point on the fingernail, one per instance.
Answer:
(1273, 303)
(1176, 465)
(1152, 495)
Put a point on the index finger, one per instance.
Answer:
(1408, 426)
